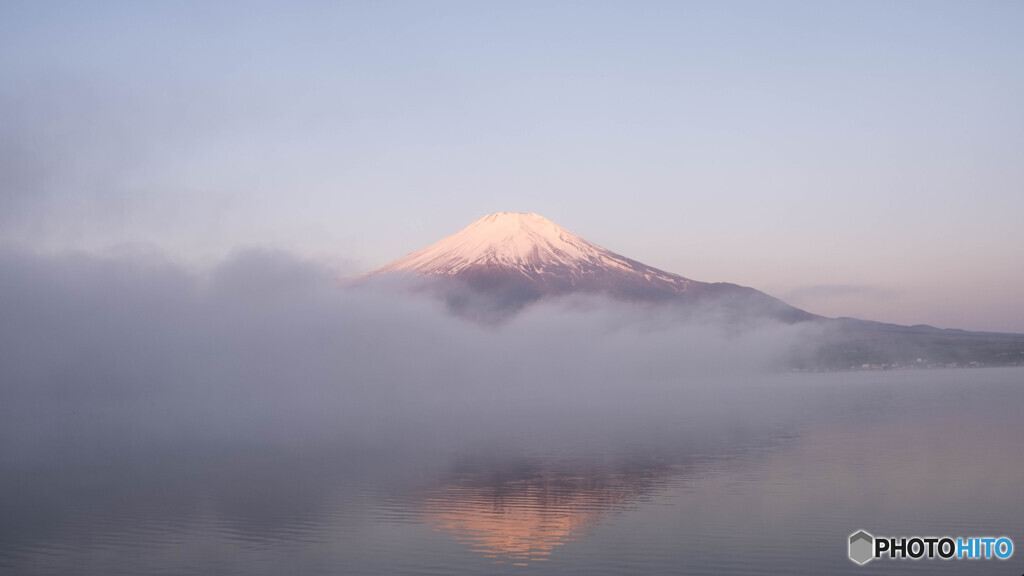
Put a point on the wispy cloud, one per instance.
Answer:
(266, 343)
(826, 291)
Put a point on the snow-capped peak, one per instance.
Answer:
(509, 239)
(529, 243)
(505, 260)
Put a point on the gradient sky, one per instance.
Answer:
(853, 158)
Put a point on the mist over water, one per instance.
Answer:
(265, 346)
(258, 417)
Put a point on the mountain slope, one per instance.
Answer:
(506, 260)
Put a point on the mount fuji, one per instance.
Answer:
(505, 261)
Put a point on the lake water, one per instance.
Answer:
(758, 475)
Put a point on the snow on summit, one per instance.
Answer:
(529, 243)
(512, 239)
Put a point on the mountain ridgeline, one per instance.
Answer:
(505, 261)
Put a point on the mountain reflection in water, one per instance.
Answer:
(520, 512)
(753, 484)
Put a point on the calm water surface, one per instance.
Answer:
(768, 479)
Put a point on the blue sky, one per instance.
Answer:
(853, 158)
